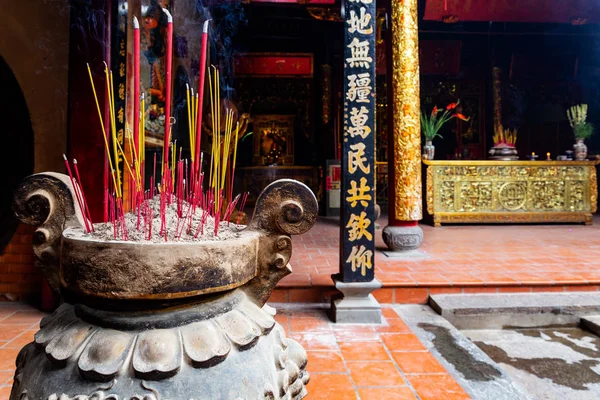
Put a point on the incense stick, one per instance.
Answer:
(168, 66)
(77, 195)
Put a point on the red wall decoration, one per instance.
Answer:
(274, 65)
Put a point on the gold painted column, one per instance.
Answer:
(405, 198)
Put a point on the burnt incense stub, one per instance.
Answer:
(168, 320)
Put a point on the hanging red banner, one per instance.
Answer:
(551, 11)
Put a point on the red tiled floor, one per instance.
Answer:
(398, 393)
(5, 392)
(375, 373)
(325, 361)
(466, 258)
(15, 329)
(6, 376)
(411, 295)
(360, 336)
(436, 387)
(330, 387)
(393, 325)
(417, 362)
(402, 342)
(316, 341)
(21, 340)
(309, 325)
(346, 362)
(363, 351)
(7, 358)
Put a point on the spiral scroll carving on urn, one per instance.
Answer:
(46, 200)
(285, 206)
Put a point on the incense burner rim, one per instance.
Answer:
(242, 234)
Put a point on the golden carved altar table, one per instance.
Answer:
(511, 191)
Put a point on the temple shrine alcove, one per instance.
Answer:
(277, 143)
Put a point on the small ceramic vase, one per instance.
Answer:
(428, 150)
(580, 150)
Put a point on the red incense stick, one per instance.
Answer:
(136, 93)
(77, 196)
(168, 66)
(85, 205)
(201, 79)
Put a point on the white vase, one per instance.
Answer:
(580, 150)
(428, 151)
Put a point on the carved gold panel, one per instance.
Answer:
(512, 191)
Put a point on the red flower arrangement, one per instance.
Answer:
(431, 123)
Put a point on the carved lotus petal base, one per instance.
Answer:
(228, 349)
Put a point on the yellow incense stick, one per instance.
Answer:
(133, 157)
(173, 153)
(129, 137)
(143, 141)
(193, 122)
(223, 154)
(101, 122)
(212, 115)
(237, 131)
(135, 163)
(120, 149)
(189, 109)
(227, 140)
(116, 139)
(111, 102)
(235, 141)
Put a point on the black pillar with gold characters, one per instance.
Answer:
(356, 279)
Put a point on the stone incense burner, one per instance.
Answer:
(175, 320)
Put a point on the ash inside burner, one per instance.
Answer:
(184, 225)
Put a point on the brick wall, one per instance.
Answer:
(19, 279)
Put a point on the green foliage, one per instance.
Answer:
(431, 124)
(583, 131)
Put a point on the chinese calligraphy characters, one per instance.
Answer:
(359, 141)
(360, 54)
(358, 121)
(361, 259)
(358, 227)
(359, 193)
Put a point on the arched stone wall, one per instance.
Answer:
(35, 44)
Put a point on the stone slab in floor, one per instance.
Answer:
(591, 323)
(554, 363)
(465, 362)
(494, 311)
